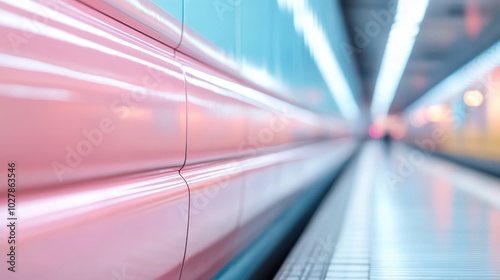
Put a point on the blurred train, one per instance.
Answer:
(145, 147)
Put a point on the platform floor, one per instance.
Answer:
(397, 213)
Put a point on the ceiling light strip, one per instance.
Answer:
(404, 31)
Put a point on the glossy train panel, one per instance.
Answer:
(140, 156)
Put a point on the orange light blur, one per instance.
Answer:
(473, 98)
(395, 126)
(398, 131)
(435, 113)
(493, 104)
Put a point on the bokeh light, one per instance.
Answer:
(418, 118)
(435, 113)
(473, 98)
(376, 131)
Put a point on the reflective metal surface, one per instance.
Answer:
(240, 140)
(89, 119)
(134, 160)
(94, 117)
(406, 215)
(159, 19)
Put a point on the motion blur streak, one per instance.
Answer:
(229, 139)
(306, 23)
